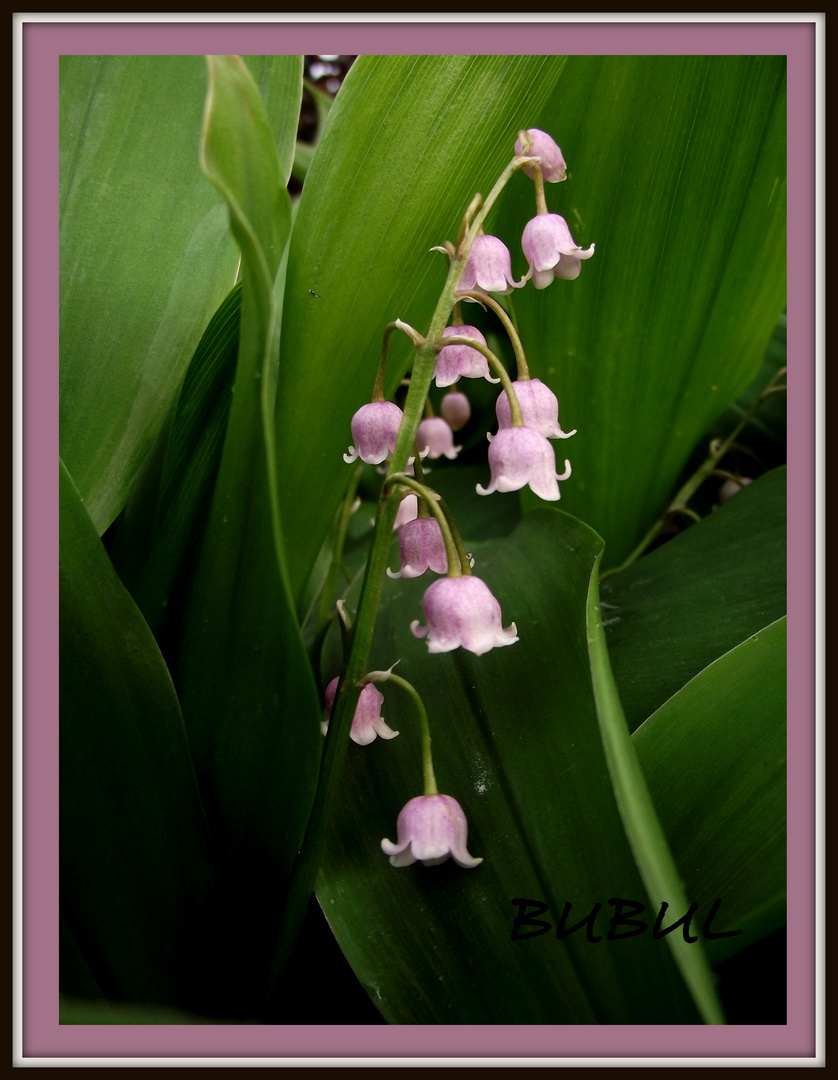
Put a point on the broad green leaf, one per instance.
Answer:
(154, 535)
(145, 259)
(682, 606)
(136, 862)
(643, 827)
(279, 80)
(408, 142)
(516, 740)
(677, 173)
(715, 758)
(247, 690)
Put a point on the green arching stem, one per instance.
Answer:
(346, 699)
(707, 468)
(389, 329)
(456, 566)
(508, 325)
(514, 407)
(427, 757)
(540, 200)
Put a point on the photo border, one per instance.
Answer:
(39, 40)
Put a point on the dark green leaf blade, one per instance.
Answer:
(248, 693)
(682, 606)
(145, 259)
(715, 759)
(677, 172)
(516, 741)
(136, 863)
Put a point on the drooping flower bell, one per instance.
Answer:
(551, 251)
(435, 435)
(539, 408)
(462, 611)
(367, 721)
(488, 267)
(455, 360)
(431, 828)
(542, 145)
(408, 510)
(455, 409)
(374, 429)
(519, 456)
(421, 548)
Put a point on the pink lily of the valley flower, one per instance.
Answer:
(455, 409)
(543, 146)
(421, 548)
(435, 435)
(539, 408)
(455, 360)
(488, 267)
(374, 429)
(551, 251)
(461, 611)
(367, 721)
(408, 510)
(431, 828)
(519, 456)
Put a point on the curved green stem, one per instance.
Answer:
(427, 757)
(456, 566)
(514, 407)
(508, 325)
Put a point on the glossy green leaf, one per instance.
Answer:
(145, 259)
(279, 80)
(408, 142)
(677, 173)
(637, 810)
(136, 862)
(682, 606)
(152, 539)
(715, 758)
(247, 691)
(517, 742)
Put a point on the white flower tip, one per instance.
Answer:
(484, 491)
(489, 378)
(392, 574)
(564, 434)
(567, 471)
(417, 629)
(351, 456)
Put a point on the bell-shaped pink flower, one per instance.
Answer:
(421, 547)
(488, 267)
(539, 408)
(367, 721)
(435, 435)
(455, 360)
(542, 145)
(374, 429)
(408, 510)
(463, 611)
(551, 251)
(455, 409)
(430, 829)
(519, 456)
